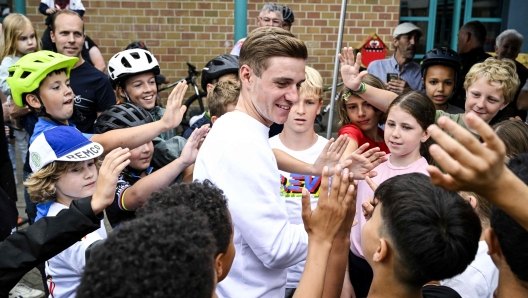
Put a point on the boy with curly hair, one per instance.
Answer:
(65, 167)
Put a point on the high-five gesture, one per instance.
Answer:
(350, 69)
(174, 110)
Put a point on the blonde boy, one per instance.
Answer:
(65, 169)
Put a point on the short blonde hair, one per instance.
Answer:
(342, 110)
(223, 94)
(313, 84)
(494, 70)
(41, 184)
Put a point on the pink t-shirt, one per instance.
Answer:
(385, 171)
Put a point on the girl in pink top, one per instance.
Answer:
(407, 138)
(360, 119)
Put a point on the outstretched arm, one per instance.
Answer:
(137, 195)
(379, 98)
(333, 212)
(471, 165)
(136, 136)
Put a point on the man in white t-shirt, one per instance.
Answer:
(237, 157)
(299, 140)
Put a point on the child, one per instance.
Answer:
(507, 243)
(221, 98)
(65, 169)
(41, 80)
(18, 39)
(219, 69)
(299, 140)
(514, 134)
(207, 198)
(417, 233)
(490, 86)
(481, 276)
(360, 119)
(138, 180)
(169, 253)
(440, 69)
(407, 138)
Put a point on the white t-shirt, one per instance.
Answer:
(291, 191)
(480, 279)
(237, 158)
(64, 270)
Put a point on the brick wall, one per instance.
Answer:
(197, 30)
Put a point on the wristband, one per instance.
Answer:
(361, 90)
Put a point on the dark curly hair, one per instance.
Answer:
(164, 254)
(201, 196)
(434, 232)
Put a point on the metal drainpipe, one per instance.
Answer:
(20, 6)
(240, 19)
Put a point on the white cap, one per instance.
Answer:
(405, 28)
(64, 143)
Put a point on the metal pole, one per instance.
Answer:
(240, 19)
(20, 6)
(336, 68)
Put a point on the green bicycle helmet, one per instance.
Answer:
(27, 73)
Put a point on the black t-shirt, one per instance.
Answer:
(432, 291)
(93, 93)
(116, 212)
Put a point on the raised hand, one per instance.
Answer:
(190, 150)
(174, 110)
(323, 223)
(364, 162)
(350, 69)
(469, 164)
(113, 164)
(330, 156)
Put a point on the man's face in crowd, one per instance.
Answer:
(406, 44)
(267, 18)
(68, 35)
(509, 48)
(277, 89)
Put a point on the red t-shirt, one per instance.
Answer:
(355, 133)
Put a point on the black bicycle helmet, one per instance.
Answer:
(287, 14)
(218, 67)
(441, 56)
(137, 45)
(121, 116)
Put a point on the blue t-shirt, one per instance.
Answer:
(41, 126)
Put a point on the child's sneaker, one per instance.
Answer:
(23, 291)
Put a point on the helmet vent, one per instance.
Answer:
(38, 61)
(125, 63)
(149, 58)
(135, 55)
(25, 74)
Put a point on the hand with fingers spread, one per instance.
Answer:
(331, 155)
(471, 165)
(364, 162)
(174, 110)
(322, 225)
(350, 69)
(113, 164)
(323, 222)
(190, 150)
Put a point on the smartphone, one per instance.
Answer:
(391, 76)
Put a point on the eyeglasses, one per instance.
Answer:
(276, 22)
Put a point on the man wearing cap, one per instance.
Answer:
(406, 37)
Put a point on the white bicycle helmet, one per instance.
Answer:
(130, 63)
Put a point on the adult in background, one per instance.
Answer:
(400, 71)
(93, 92)
(471, 39)
(507, 46)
